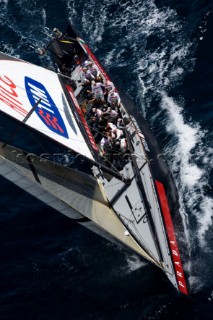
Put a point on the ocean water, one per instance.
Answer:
(161, 53)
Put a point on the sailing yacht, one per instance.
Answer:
(60, 143)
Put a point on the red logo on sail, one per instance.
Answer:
(9, 96)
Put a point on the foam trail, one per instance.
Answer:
(134, 263)
(191, 177)
(188, 136)
(205, 219)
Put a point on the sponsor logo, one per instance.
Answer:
(46, 110)
(172, 238)
(9, 96)
(177, 265)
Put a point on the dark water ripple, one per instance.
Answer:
(52, 268)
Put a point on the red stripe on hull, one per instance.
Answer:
(172, 238)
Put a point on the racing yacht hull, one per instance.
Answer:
(136, 204)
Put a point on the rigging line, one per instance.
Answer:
(137, 201)
(112, 185)
(125, 218)
(139, 237)
(116, 170)
(38, 142)
(145, 244)
(18, 128)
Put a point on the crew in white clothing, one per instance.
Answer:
(110, 126)
(117, 134)
(86, 76)
(97, 91)
(94, 71)
(86, 63)
(109, 86)
(120, 123)
(111, 115)
(96, 112)
(105, 142)
(113, 98)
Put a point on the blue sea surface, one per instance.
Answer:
(160, 52)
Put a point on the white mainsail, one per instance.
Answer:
(21, 86)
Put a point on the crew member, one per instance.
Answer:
(113, 99)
